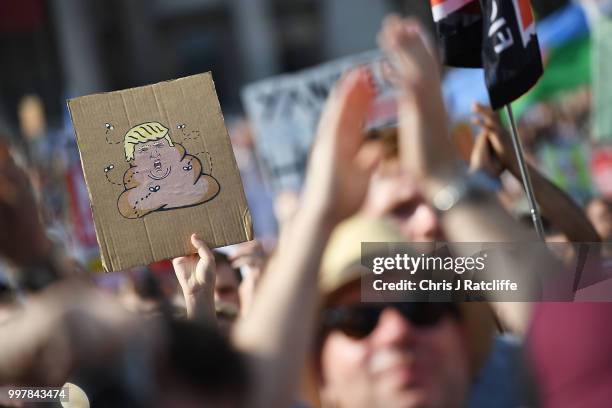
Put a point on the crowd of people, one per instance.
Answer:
(291, 330)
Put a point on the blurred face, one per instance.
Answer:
(394, 194)
(600, 215)
(397, 365)
(226, 286)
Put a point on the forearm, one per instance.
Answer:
(273, 332)
(201, 306)
(559, 208)
(426, 155)
(485, 221)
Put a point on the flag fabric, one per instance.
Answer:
(497, 35)
(602, 82)
(459, 25)
(511, 53)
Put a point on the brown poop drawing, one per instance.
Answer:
(162, 175)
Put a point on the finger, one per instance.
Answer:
(389, 25)
(369, 156)
(346, 111)
(479, 108)
(182, 260)
(203, 251)
(408, 49)
(246, 261)
(483, 124)
(389, 73)
(247, 248)
(480, 152)
(490, 117)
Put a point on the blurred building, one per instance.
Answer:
(62, 48)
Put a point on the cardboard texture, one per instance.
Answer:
(285, 111)
(159, 166)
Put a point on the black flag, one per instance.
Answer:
(511, 53)
(507, 45)
(459, 25)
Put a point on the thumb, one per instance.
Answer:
(480, 152)
(203, 251)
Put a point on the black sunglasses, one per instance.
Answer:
(360, 320)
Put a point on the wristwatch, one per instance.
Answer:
(474, 186)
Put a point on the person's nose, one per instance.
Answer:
(393, 329)
(427, 225)
(154, 153)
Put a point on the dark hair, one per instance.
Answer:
(221, 258)
(194, 355)
(205, 360)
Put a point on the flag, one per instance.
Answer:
(497, 35)
(459, 24)
(510, 50)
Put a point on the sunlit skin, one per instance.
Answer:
(397, 366)
(164, 177)
(394, 194)
(600, 215)
(226, 285)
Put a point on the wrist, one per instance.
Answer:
(472, 187)
(319, 214)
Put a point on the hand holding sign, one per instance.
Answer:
(196, 275)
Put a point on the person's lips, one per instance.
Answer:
(157, 165)
(397, 364)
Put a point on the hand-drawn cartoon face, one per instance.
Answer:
(162, 175)
(156, 158)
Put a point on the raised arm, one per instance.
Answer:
(278, 331)
(555, 204)
(196, 276)
(426, 151)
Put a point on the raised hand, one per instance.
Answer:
(426, 150)
(342, 162)
(196, 276)
(496, 135)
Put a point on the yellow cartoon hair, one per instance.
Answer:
(146, 132)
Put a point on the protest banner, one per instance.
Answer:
(159, 166)
(285, 110)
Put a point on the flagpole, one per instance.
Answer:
(518, 150)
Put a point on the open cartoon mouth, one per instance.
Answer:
(154, 177)
(157, 164)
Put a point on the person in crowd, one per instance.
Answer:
(398, 354)
(599, 211)
(377, 355)
(227, 291)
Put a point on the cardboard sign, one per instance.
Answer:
(159, 166)
(285, 111)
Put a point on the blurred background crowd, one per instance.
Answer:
(57, 49)
(53, 50)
